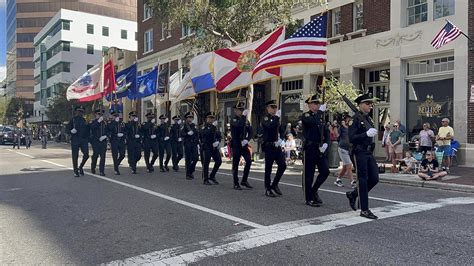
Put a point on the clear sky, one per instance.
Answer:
(3, 37)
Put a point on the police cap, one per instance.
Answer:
(211, 114)
(271, 103)
(188, 114)
(313, 99)
(365, 98)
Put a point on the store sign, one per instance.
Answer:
(471, 99)
(429, 108)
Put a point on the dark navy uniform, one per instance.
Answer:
(211, 138)
(176, 143)
(315, 147)
(79, 130)
(164, 143)
(150, 141)
(190, 135)
(272, 135)
(116, 133)
(98, 140)
(134, 141)
(241, 133)
(361, 135)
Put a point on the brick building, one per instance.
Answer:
(381, 46)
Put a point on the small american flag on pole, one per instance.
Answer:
(306, 46)
(447, 34)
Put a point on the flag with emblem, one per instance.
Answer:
(233, 66)
(88, 87)
(447, 34)
(306, 46)
(126, 81)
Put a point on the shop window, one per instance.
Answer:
(431, 66)
(428, 102)
(358, 15)
(291, 108)
(443, 8)
(417, 11)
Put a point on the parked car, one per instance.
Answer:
(6, 135)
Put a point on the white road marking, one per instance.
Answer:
(271, 234)
(27, 155)
(166, 197)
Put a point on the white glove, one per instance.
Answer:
(73, 131)
(153, 120)
(322, 107)
(153, 136)
(215, 144)
(135, 119)
(100, 119)
(102, 138)
(214, 123)
(119, 135)
(323, 148)
(166, 120)
(117, 119)
(190, 133)
(245, 112)
(371, 132)
(137, 136)
(244, 142)
(278, 113)
(167, 138)
(180, 139)
(179, 122)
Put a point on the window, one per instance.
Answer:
(60, 46)
(90, 29)
(58, 68)
(186, 30)
(147, 12)
(105, 31)
(431, 65)
(148, 41)
(443, 8)
(66, 25)
(378, 84)
(123, 34)
(336, 22)
(292, 85)
(66, 46)
(417, 11)
(358, 15)
(90, 49)
(165, 30)
(89, 67)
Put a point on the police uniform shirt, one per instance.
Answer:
(80, 124)
(148, 129)
(113, 128)
(175, 132)
(98, 129)
(270, 126)
(240, 130)
(132, 128)
(163, 131)
(358, 130)
(312, 123)
(193, 139)
(209, 134)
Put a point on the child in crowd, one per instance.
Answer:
(407, 164)
(429, 169)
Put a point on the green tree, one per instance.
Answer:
(14, 110)
(334, 99)
(60, 109)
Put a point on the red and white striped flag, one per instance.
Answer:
(306, 46)
(447, 34)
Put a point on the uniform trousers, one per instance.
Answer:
(150, 146)
(367, 175)
(274, 155)
(176, 153)
(313, 158)
(118, 152)
(237, 152)
(77, 145)
(99, 148)
(207, 155)
(134, 151)
(191, 157)
(164, 146)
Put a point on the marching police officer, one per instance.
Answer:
(176, 142)
(211, 138)
(134, 144)
(316, 143)
(273, 136)
(164, 143)
(241, 133)
(361, 135)
(98, 139)
(150, 141)
(79, 130)
(116, 133)
(191, 141)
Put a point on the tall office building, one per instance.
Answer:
(25, 18)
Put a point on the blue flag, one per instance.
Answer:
(126, 81)
(146, 85)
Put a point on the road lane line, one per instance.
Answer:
(166, 197)
(27, 155)
(275, 233)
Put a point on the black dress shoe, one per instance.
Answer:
(269, 193)
(352, 200)
(151, 169)
(76, 174)
(162, 169)
(312, 204)
(207, 183)
(237, 187)
(167, 169)
(368, 214)
(117, 173)
(134, 171)
(102, 174)
(81, 171)
(277, 190)
(317, 198)
(213, 180)
(93, 171)
(188, 177)
(246, 184)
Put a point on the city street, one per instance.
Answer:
(47, 216)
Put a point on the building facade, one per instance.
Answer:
(381, 46)
(26, 18)
(68, 45)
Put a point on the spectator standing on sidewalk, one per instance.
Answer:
(385, 141)
(44, 133)
(396, 147)
(343, 150)
(445, 134)
(426, 138)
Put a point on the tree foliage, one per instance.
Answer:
(14, 110)
(335, 103)
(60, 109)
(224, 23)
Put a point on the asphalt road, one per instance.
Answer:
(48, 216)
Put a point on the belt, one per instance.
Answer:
(365, 147)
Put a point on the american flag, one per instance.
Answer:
(447, 34)
(306, 46)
